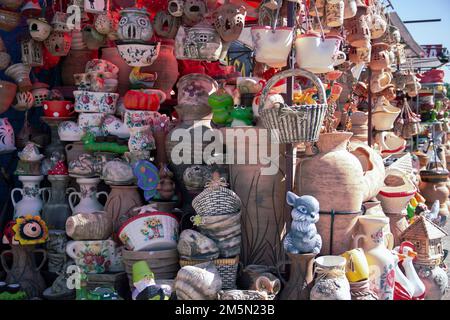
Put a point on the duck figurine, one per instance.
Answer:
(403, 289)
(141, 80)
(408, 250)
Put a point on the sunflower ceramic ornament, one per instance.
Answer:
(30, 230)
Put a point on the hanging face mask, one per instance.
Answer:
(30, 230)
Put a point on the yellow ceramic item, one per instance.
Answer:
(357, 268)
(413, 202)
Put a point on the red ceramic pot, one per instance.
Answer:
(139, 100)
(58, 109)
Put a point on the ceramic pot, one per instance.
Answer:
(300, 282)
(93, 119)
(40, 93)
(138, 119)
(31, 202)
(378, 26)
(379, 81)
(194, 90)
(103, 23)
(98, 256)
(95, 6)
(87, 101)
(330, 282)
(194, 11)
(69, 131)
(58, 109)
(58, 43)
(89, 226)
(74, 63)
(135, 25)
(435, 280)
(20, 73)
(122, 201)
(272, 47)
(201, 42)
(380, 259)
(229, 21)
(88, 196)
(24, 269)
(56, 210)
(357, 28)
(9, 20)
(384, 115)
(56, 242)
(139, 55)
(433, 186)
(317, 55)
(360, 55)
(150, 231)
(334, 16)
(166, 67)
(7, 94)
(380, 58)
(195, 246)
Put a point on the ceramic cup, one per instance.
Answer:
(58, 109)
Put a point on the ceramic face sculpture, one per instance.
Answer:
(303, 237)
(175, 7)
(166, 25)
(135, 25)
(194, 11)
(229, 21)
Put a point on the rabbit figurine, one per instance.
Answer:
(303, 236)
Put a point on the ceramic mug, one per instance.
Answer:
(357, 268)
(82, 81)
(93, 256)
(94, 119)
(58, 109)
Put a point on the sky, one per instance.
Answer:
(427, 33)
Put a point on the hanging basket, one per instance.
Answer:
(294, 123)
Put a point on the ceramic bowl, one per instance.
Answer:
(69, 131)
(139, 119)
(58, 109)
(115, 127)
(88, 101)
(94, 119)
(139, 55)
(150, 231)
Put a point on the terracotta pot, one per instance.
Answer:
(113, 56)
(301, 277)
(89, 226)
(7, 94)
(74, 62)
(165, 66)
(380, 58)
(24, 269)
(121, 202)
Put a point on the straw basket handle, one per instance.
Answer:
(292, 73)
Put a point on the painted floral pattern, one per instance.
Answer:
(153, 229)
(387, 282)
(86, 101)
(94, 258)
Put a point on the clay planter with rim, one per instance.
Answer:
(7, 95)
(380, 58)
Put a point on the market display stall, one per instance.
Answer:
(145, 167)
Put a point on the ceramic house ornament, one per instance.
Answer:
(229, 21)
(32, 53)
(201, 42)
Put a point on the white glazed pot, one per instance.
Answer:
(272, 47)
(317, 55)
(31, 202)
(150, 232)
(88, 101)
(88, 196)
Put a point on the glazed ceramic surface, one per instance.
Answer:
(58, 109)
(135, 25)
(139, 55)
(116, 127)
(194, 89)
(86, 101)
(88, 196)
(69, 131)
(6, 135)
(31, 202)
(272, 47)
(138, 119)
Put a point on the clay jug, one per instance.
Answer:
(24, 269)
(89, 226)
(75, 62)
(121, 202)
(380, 259)
(113, 56)
(301, 277)
(56, 210)
(166, 67)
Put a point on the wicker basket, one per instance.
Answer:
(293, 124)
(227, 269)
(216, 201)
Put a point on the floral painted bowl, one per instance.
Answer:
(88, 101)
(139, 118)
(139, 55)
(150, 232)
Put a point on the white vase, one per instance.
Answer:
(31, 202)
(380, 259)
(88, 196)
(331, 282)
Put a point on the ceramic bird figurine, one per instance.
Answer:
(303, 236)
(140, 79)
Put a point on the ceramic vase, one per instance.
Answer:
(31, 202)
(56, 210)
(88, 196)
(300, 282)
(380, 259)
(24, 269)
(330, 282)
(121, 202)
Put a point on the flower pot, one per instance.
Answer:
(380, 57)
(390, 143)
(58, 109)
(194, 90)
(272, 46)
(433, 186)
(112, 55)
(201, 42)
(229, 21)
(331, 283)
(384, 115)
(7, 94)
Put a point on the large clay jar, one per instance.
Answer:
(56, 210)
(433, 186)
(113, 56)
(165, 66)
(24, 269)
(262, 193)
(301, 277)
(380, 259)
(74, 62)
(89, 226)
(121, 203)
(435, 280)
(330, 283)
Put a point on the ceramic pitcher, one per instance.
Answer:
(88, 196)
(31, 202)
(380, 259)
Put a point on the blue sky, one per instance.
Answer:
(427, 33)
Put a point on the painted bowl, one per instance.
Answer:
(88, 101)
(150, 231)
(139, 55)
(139, 118)
(58, 109)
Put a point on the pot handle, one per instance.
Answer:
(43, 192)
(70, 190)
(357, 238)
(72, 207)
(12, 195)
(3, 260)
(44, 257)
(70, 249)
(102, 192)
